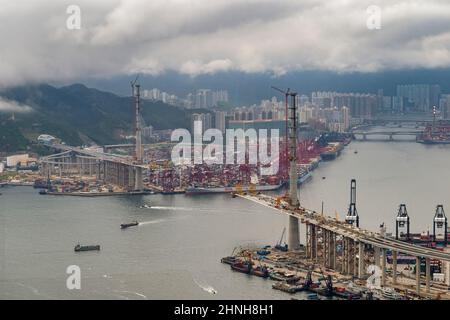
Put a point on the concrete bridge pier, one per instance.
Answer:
(418, 275)
(308, 241)
(345, 256)
(394, 267)
(139, 186)
(361, 259)
(428, 274)
(376, 256)
(334, 264)
(294, 237)
(383, 268)
(355, 260)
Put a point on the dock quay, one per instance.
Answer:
(346, 252)
(98, 194)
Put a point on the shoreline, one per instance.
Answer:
(98, 194)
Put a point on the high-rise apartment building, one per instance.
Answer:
(422, 97)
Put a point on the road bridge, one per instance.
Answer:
(362, 135)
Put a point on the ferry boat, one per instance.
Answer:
(79, 248)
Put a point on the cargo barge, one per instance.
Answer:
(80, 248)
(205, 190)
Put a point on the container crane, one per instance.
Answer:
(439, 222)
(402, 220)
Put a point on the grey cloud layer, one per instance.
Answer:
(195, 37)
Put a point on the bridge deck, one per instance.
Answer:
(124, 160)
(342, 228)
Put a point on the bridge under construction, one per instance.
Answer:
(123, 171)
(324, 235)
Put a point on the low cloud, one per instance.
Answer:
(203, 37)
(13, 106)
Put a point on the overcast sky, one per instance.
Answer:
(207, 36)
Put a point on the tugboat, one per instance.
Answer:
(243, 267)
(127, 225)
(79, 248)
(260, 271)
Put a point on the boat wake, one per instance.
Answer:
(132, 292)
(206, 287)
(151, 222)
(168, 208)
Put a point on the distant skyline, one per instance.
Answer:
(195, 38)
(247, 89)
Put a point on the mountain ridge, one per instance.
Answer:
(78, 114)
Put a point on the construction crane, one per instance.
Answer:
(278, 245)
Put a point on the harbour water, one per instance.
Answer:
(175, 252)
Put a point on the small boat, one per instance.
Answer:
(43, 191)
(145, 206)
(282, 286)
(390, 294)
(127, 225)
(79, 248)
(228, 260)
(312, 296)
(323, 178)
(356, 151)
(260, 272)
(263, 252)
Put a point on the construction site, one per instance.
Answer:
(340, 259)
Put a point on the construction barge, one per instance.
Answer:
(292, 273)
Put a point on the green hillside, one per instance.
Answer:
(78, 115)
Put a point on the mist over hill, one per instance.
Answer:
(77, 115)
